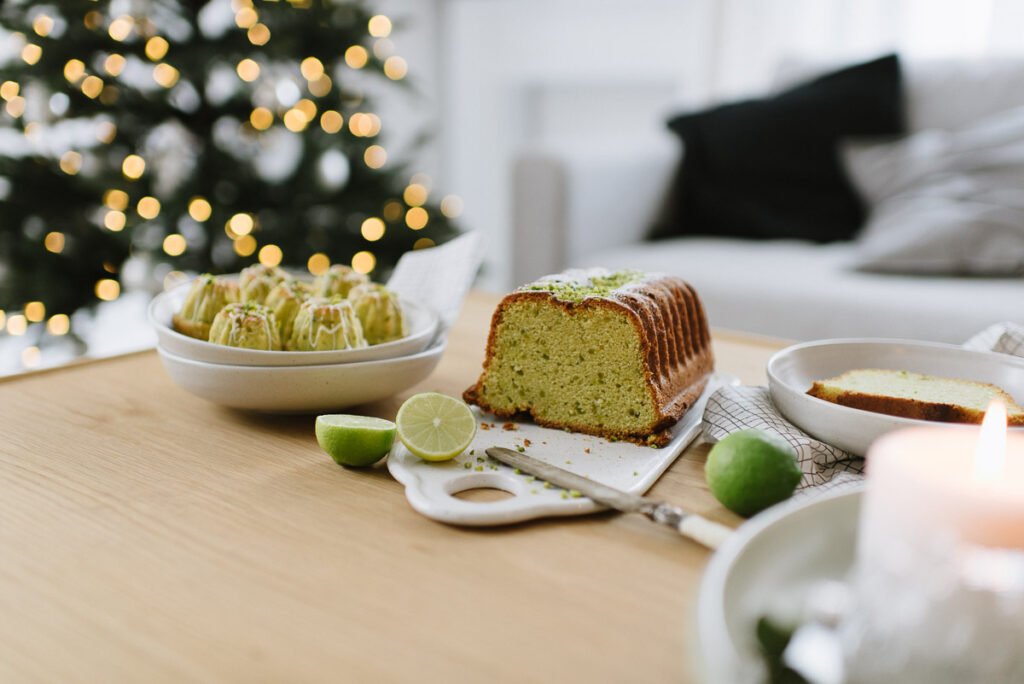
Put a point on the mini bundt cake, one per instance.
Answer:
(324, 325)
(284, 301)
(379, 312)
(207, 295)
(257, 281)
(616, 354)
(337, 281)
(249, 326)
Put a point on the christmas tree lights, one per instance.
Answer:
(196, 136)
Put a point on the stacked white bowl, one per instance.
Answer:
(293, 381)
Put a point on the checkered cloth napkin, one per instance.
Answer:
(825, 467)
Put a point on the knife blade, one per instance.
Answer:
(690, 525)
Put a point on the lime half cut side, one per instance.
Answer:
(435, 427)
(354, 440)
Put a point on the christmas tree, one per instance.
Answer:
(204, 135)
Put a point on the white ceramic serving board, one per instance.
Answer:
(430, 487)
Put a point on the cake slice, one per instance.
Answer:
(615, 354)
(915, 395)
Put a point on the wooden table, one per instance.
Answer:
(146, 535)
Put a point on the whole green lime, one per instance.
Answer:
(750, 470)
(354, 440)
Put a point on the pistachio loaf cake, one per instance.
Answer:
(616, 354)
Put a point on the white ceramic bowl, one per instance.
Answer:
(300, 389)
(767, 565)
(422, 327)
(792, 371)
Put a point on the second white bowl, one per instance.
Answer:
(300, 389)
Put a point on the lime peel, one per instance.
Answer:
(751, 470)
(354, 440)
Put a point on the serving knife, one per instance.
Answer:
(690, 525)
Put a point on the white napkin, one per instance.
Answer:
(825, 467)
(440, 276)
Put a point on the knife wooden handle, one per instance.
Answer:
(701, 530)
(704, 531)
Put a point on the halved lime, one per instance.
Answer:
(354, 440)
(435, 427)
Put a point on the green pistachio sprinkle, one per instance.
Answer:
(547, 485)
(520, 449)
(598, 286)
(565, 495)
(531, 478)
(574, 494)
(635, 473)
(467, 465)
(517, 471)
(479, 469)
(479, 459)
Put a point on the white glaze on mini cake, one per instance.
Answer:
(284, 300)
(207, 295)
(338, 281)
(324, 325)
(379, 312)
(248, 326)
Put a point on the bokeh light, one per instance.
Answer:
(156, 48)
(331, 121)
(35, 311)
(108, 289)
(54, 242)
(148, 207)
(372, 229)
(133, 167)
(114, 220)
(375, 156)
(356, 56)
(58, 325)
(379, 26)
(199, 209)
(270, 255)
(363, 262)
(416, 218)
(318, 263)
(175, 244)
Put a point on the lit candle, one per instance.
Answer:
(939, 576)
(950, 480)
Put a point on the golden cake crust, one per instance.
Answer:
(670, 322)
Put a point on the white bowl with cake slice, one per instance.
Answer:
(851, 410)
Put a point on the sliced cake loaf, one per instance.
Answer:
(617, 354)
(914, 395)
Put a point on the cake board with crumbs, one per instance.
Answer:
(431, 487)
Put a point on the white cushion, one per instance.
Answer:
(945, 202)
(803, 291)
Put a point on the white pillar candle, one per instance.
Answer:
(939, 581)
(956, 481)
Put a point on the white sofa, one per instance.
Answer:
(576, 207)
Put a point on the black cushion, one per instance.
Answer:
(770, 168)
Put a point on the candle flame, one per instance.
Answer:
(990, 454)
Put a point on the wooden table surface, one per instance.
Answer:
(146, 535)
